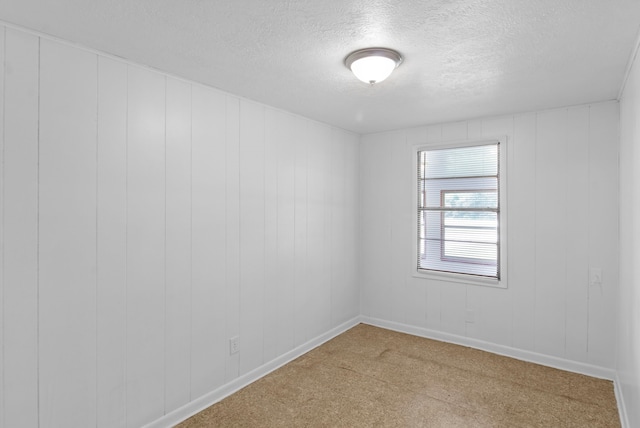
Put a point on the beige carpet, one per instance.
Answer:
(371, 377)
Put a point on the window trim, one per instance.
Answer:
(461, 277)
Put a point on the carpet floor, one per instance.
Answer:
(372, 377)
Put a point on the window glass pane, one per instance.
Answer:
(459, 210)
(462, 199)
(460, 162)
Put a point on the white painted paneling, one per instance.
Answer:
(347, 297)
(453, 298)
(318, 250)
(301, 281)
(178, 244)
(338, 268)
(628, 329)
(351, 306)
(271, 287)
(603, 225)
(111, 292)
(375, 228)
(2, 47)
(232, 180)
(454, 131)
(252, 238)
(285, 146)
(171, 218)
(209, 346)
(551, 208)
(67, 236)
(406, 307)
(555, 160)
(345, 175)
(20, 230)
(146, 158)
(577, 222)
(522, 230)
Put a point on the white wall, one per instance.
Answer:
(145, 221)
(563, 217)
(629, 321)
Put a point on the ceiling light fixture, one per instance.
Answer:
(373, 65)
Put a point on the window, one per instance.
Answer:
(460, 216)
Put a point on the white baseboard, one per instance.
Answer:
(519, 354)
(622, 408)
(199, 404)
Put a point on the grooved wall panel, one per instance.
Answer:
(285, 176)
(602, 226)
(577, 255)
(345, 245)
(551, 221)
(628, 328)
(301, 284)
(111, 291)
(337, 228)
(232, 239)
(67, 236)
(2, 36)
(146, 220)
(178, 244)
(562, 219)
(209, 264)
(351, 295)
(146, 193)
(270, 312)
(20, 230)
(522, 230)
(318, 251)
(252, 234)
(375, 227)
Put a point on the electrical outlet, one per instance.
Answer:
(234, 345)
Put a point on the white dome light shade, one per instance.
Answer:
(373, 65)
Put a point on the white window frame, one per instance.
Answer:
(461, 277)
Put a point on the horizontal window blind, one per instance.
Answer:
(459, 210)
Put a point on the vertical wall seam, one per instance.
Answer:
(164, 353)
(264, 216)
(38, 236)
(332, 267)
(535, 220)
(97, 236)
(588, 224)
(306, 230)
(190, 240)
(566, 243)
(511, 155)
(239, 242)
(295, 228)
(227, 358)
(239, 253)
(126, 252)
(4, 80)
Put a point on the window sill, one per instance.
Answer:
(460, 278)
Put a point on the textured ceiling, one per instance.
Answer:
(463, 58)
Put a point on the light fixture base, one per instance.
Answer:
(391, 58)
